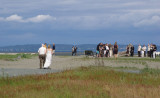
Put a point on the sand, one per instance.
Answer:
(60, 63)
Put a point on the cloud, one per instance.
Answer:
(36, 19)
(14, 18)
(40, 18)
(154, 20)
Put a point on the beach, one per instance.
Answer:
(61, 63)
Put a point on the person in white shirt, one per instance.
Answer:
(139, 50)
(42, 55)
(144, 51)
(107, 50)
(110, 50)
(149, 49)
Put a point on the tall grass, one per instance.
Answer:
(84, 82)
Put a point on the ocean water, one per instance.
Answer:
(59, 48)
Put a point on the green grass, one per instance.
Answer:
(125, 59)
(15, 57)
(83, 82)
(121, 60)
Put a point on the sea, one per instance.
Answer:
(60, 48)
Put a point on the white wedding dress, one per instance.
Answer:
(48, 59)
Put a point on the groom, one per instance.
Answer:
(42, 55)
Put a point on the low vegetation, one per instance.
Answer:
(14, 57)
(84, 82)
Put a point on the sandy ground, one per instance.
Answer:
(59, 63)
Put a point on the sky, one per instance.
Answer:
(79, 21)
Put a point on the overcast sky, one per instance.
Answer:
(79, 21)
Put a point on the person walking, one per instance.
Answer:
(115, 51)
(139, 50)
(48, 61)
(42, 55)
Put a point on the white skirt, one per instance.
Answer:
(48, 61)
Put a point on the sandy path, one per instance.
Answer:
(31, 66)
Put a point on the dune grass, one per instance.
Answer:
(84, 82)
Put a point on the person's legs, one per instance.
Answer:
(148, 54)
(154, 54)
(107, 53)
(54, 52)
(72, 53)
(111, 53)
(40, 58)
(144, 53)
(151, 54)
(138, 53)
(75, 53)
(43, 59)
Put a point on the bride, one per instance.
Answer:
(48, 61)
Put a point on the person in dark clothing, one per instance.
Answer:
(97, 50)
(132, 51)
(154, 51)
(139, 50)
(53, 48)
(127, 52)
(151, 51)
(75, 50)
(115, 51)
(148, 51)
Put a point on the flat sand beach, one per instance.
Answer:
(61, 63)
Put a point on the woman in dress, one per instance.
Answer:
(115, 52)
(48, 61)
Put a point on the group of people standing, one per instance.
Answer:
(130, 50)
(151, 51)
(74, 50)
(45, 55)
(107, 50)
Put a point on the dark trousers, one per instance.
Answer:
(144, 53)
(75, 52)
(132, 53)
(107, 51)
(42, 60)
(139, 53)
(148, 53)
(72, 53)
(151, 54)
